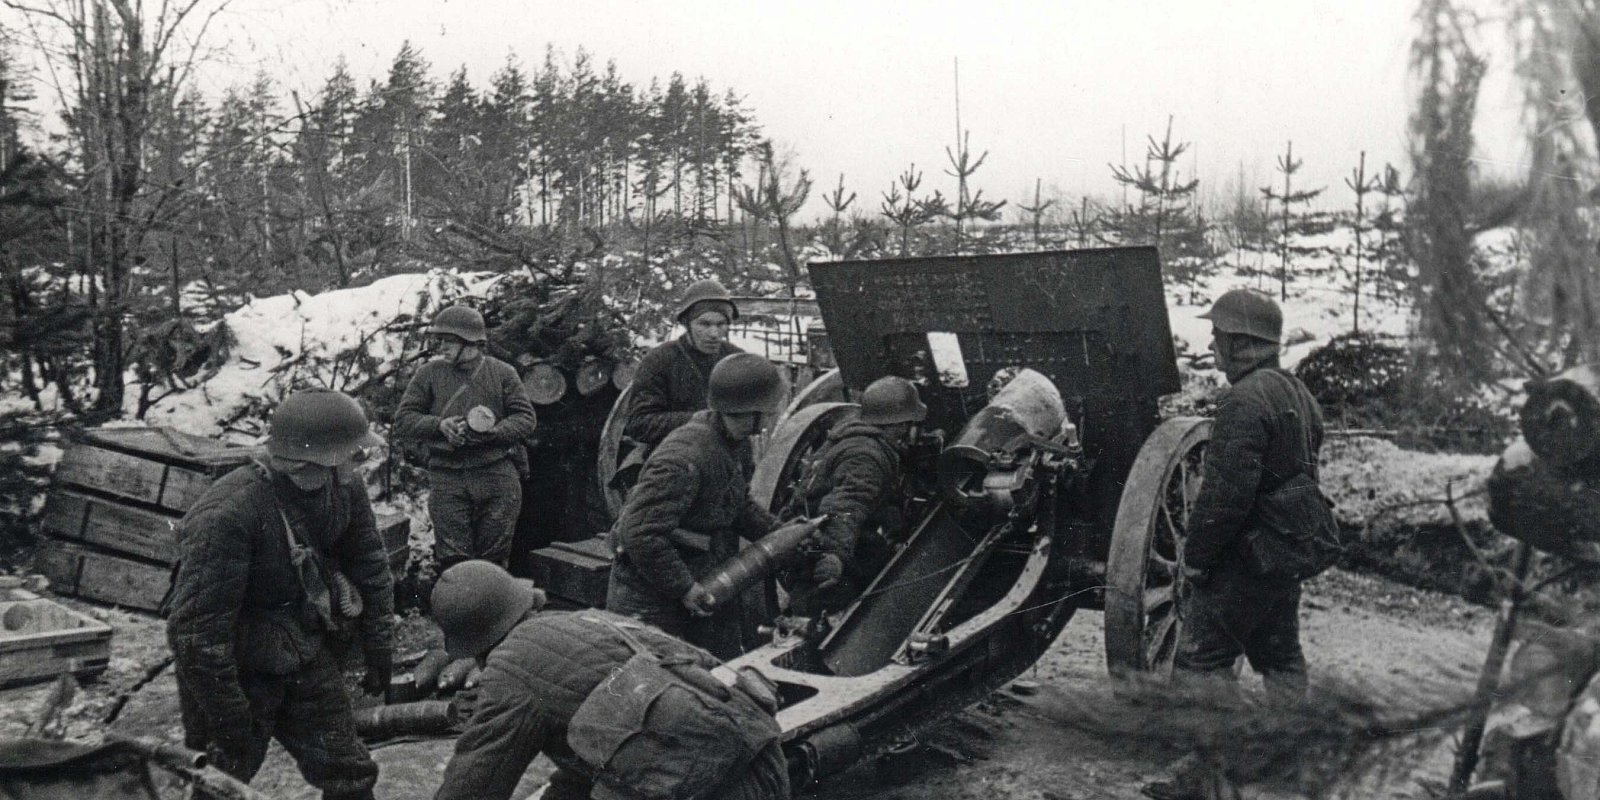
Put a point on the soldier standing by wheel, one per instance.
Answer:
(560, 683)
(670, 384)
(468, 409)
(1260, 472)
(857, 481)
(281, 560)
(690, 508)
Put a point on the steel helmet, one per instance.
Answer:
(745, 382)
(320, 426)
(462, 321)
(892, 399)
(1247, 312)
(476, 603)
(706, 291)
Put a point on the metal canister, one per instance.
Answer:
(480, 419)
(757, 561)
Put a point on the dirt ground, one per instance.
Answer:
(1020, 743)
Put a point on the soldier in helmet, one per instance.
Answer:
(858, 481)
(475, 491)
(690, 508)
(670, 384)
(281, 562)
(541, 667)
(1268, 430)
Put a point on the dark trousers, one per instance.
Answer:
(1237, 613)
(474, 512)
(308, 713)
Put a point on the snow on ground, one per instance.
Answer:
(288, 338)
(1376, 483)
(293, 338)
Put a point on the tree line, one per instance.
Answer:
(157, 210)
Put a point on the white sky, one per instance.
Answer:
(865, 87)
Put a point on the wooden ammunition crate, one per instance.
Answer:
(576, 572)
(40, 639)
(113, 511)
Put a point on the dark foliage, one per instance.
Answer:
(1367, 381)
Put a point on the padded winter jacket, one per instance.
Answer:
(695, 480)
(496, 387)
(1258, 441)
(669, 386)
(856, 480)
(533, 683)
(238, 605)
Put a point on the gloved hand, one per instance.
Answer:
(827, 571)
(426, 672)
(459, 674)
(698, 601)
(380, 668)
(454, 430)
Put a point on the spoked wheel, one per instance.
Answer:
(610, 452)
(794, 440)
(825, 388)
(1145, 585)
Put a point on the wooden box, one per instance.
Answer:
(107, 577)
(40, 639)
(576, 572)
(118, 496)
(93, 574)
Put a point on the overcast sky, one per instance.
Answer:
(1053, 90)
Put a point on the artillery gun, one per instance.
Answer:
(1059, 489)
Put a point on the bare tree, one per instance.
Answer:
(117, 66)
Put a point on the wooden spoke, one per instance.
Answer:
(1145, 588)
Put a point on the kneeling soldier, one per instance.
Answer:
(561, 683)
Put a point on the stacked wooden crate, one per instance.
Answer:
(40, 639)
(113, 510)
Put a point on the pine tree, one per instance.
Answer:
(1361, 184)
(1036, 211)
(1558, 52)
(1291, 223)
(906, 210)
(968, 205)
(1451, 298)
(1165, 216)
(775, 199)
